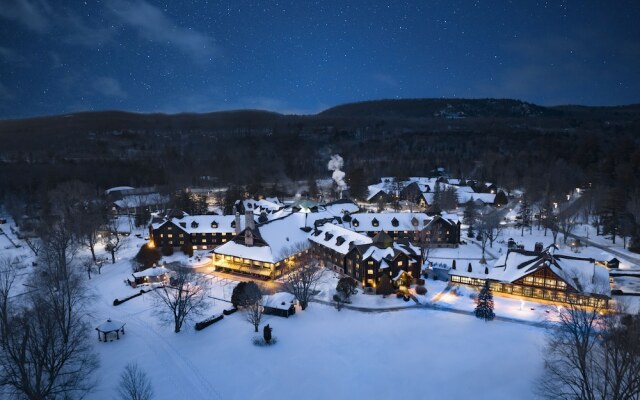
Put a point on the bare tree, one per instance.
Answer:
(184, 298)
(302, 281)
(35, 244)
(59, 249)
(93, 219)
(619, 356)
(567, 220)
(591, 355)
(88, 265)
(114, 240)
(489, 228)
(253, 313)
(44, 349)
(570, 358)
(134, 384)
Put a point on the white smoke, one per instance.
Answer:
(335, 164)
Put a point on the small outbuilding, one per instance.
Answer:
(280, 304)
(151, 275)
(110, 327)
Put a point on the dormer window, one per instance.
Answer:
(233, 224)
(414, 221)
(395, 222)
(375, 222)
(355, 223)
(194, 224)
(327, 236)
(214, 224)
(183, 224)
(339, 240)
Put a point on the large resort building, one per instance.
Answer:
(542, 274)
(366, 246)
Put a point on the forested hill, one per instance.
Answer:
(500, 140)
(407, 113)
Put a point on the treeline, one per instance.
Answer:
(515, 144)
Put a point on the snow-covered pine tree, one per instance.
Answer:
(484, 307)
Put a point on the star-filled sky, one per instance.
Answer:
(59, 56)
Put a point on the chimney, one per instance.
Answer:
(248, 220)
(248, 237)
(237, 223)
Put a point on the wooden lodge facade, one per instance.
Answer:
(202, 232)
(436, 231)
(543, 275)
(367, 263)
(331, 243)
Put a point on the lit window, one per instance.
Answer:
(370, 271)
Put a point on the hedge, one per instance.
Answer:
(117, 302)
(229, 311)
(209, 321)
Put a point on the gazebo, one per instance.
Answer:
(108, 327)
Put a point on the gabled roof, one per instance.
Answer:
(405, 221)
(336, 232)
(284, 236)
(581, 274)
(203, 223)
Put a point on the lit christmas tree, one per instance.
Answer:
(484, 308)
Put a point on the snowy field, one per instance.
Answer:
(321, 353)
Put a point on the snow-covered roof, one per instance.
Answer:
(153, 271)
(208, 223)
(110, 326)
(337, 238)
(269, 204)
(137, 200)
(398, 221)
(118, 189)
(582, 274)
(486, 198)
(284, 236)
(280, 300)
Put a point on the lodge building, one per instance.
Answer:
(545, 275)
(202, 232)
(366, 263)
(438, 231)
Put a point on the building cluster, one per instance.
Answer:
(266, 238)
(267, 242)
(422, 191)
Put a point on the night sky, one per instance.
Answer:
(303, 56)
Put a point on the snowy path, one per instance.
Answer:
(610, 249)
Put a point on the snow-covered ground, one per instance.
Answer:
(413, 352)
(321, 353)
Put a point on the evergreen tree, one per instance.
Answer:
(469, 217)
(524, 214)
(484, 307)
(357, 184)
(612, 214)
(346, 287)
(501, 199)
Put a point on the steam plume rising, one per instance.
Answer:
(335, 164)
